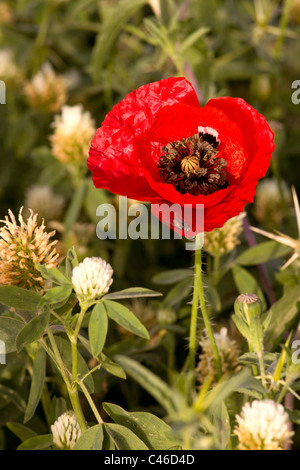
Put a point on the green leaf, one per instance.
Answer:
(52, 274)
(57, 295)
(9, 330)
(37, 383)
(32, 330)
(17, 297)
(112, 367)
(98, 326)
(37, 442)
(172, 276)
(250, 359)
(154, 432)
(241, 325)
(21, 431)
(125, 439)
(12, 397)
(251, 387)
(75, 206)
(246, 283)
(112, 27)
(71, 262)
(132, 292)
(91, 439)
(221, 422)
(124, 317)
(192, 39)
(262, 253)
(285, 313)
(154, 385)
(178, 293)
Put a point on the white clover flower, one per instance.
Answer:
(92, 278)
(8, 67)
(263, 425)
(66, 431)
(74, 129)
(268, 207)
(42, 200)
(47, 89)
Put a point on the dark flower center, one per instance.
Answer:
(192, 165)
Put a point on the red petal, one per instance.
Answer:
(113, 158)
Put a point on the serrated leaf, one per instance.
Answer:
(91, 439)
(172, 276)
(32, 330)
(37, 383)
(262, 253)
(154, 432)
(16, 297)
(125, 318)
(124, 439)
(133, 292)
(98, 326)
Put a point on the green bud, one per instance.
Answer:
(247, 307)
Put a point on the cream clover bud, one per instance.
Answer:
(92, 278)
(66, 431)
(263, 425)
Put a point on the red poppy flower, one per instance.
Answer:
(159, 145)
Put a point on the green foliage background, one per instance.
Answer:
(244, 48)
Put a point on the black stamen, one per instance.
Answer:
(192, 165)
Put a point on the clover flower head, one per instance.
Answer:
(229, 353)
(21, 246)
(47, 89)
(92, 278)
(9, 70)
(66, 431)
(268, 206)
(263, 425)
(73, 131)
(221, 241)
(42, 199)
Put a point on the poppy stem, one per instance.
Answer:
(198, 297)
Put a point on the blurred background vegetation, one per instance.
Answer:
(94, 52)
